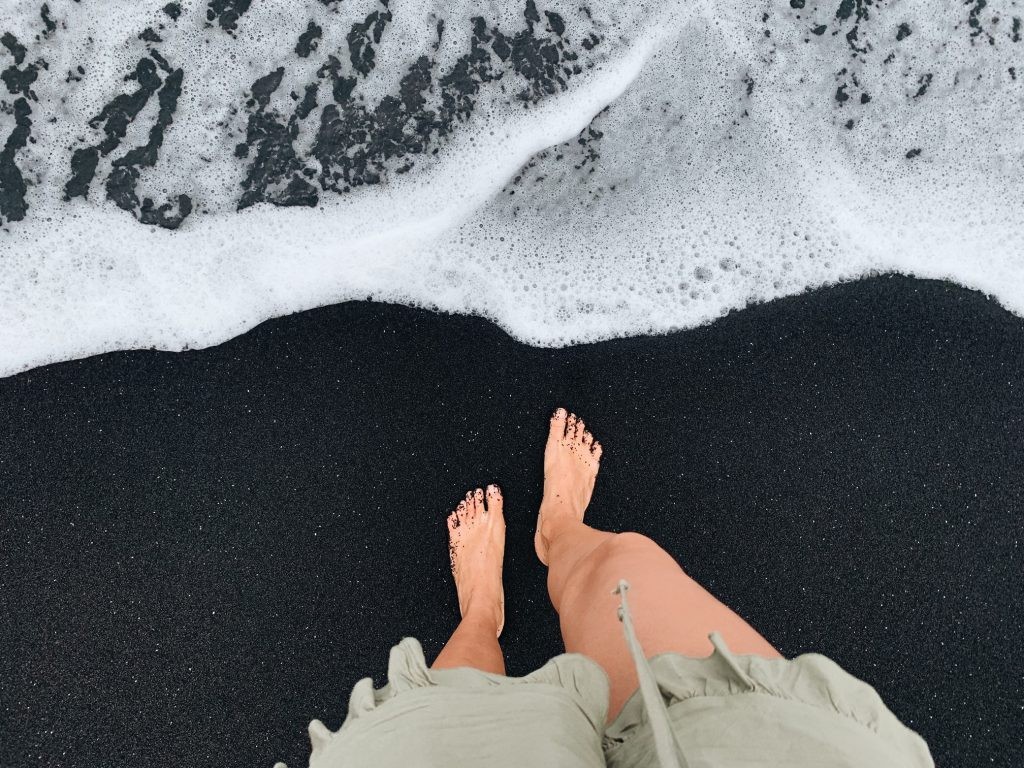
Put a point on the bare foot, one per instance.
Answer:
(476, 536)
(571, 459)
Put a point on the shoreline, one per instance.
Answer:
(198, 543)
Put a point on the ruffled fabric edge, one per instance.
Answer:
(810, 678)
(581, 677)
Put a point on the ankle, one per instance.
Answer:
(556, 506)
(484, 615)
(556, 519)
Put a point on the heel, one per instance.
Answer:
(537, 542)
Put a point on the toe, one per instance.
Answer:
(581, 429)
(556, 429)
(470, 502)
(478, 500)
(494, 500)
(570, 426)
(596, 450)
(588, 439)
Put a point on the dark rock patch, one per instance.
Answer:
(923, 83)
(20, 80)
(124, 177)
(227, 12)
(361, 38)
(276, 174)
(48, 22)
(359, 144)
(10, 42)
(309, 40)
(13, 205)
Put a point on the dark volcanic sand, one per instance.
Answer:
(203, 551)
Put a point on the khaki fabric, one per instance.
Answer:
(553, 716)
(722, 711)
(738, 711)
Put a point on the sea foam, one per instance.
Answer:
(573, 174)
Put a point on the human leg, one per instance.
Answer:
(671, 611)
(476, 532)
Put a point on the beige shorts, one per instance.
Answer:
(722, 710)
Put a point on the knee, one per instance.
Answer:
(620, 554)
(630, 543)
(631, 540)
(624, 555)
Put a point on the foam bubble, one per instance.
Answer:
(703, 156)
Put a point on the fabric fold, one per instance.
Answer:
(729, 709)
(553, 716)
(721, 710)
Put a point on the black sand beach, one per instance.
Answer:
(202, 551)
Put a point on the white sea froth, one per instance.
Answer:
(726, 174)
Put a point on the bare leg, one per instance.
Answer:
(671, 612)
(476, 535)
(473, 644)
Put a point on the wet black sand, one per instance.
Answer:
(199, 552)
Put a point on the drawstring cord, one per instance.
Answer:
(670, 753)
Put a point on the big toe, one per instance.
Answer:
(494, 499)
(556, 429)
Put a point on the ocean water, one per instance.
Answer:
(172, 174)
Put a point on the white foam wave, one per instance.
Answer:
(725, 173)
